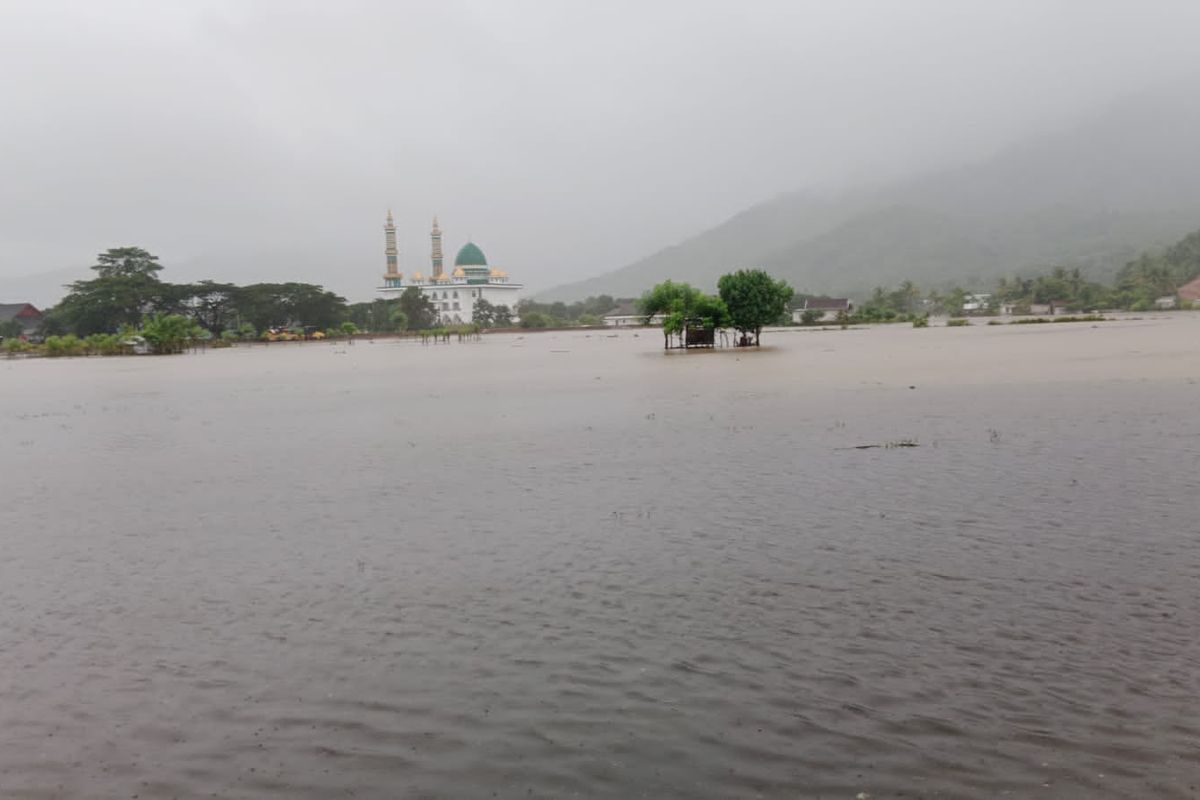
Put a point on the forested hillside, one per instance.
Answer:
(1092, 197)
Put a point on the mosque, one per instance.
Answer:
(452, 294)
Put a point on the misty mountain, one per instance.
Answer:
(1092, 196)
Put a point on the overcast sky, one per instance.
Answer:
(566, 138)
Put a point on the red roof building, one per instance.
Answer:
(24, 313)
(1191, 290)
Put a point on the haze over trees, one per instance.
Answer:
(1090, 197)
(1136, 287)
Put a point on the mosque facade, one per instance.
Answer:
(453, 293)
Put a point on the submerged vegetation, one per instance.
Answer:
(748, 300)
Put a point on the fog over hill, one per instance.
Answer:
(1091, 196)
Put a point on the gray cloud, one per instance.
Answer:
(255, 140)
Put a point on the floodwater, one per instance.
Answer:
(568, 565)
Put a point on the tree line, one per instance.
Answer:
(1136, 287)
(127, 291)
(127, 294)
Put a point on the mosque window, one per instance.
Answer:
(456, 306)
(455, 294)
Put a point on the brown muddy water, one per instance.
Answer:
(568, 565)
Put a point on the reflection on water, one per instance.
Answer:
(503, 570)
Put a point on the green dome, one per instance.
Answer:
(470, 256)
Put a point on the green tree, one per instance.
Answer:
(212, 305)
(418, 310)
(810, 317)
(680, 305)
(904, 299)
(754, 299)
(549, 315)
(127, 262)
(483, 313)
(502, 316)
(672, 301)
(288, 305)
(536, 319)
(126, 288)
(374, 315)
(11, 329)
(103, 305)
(169, 333)
(953, 303)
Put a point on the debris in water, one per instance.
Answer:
(884, 446)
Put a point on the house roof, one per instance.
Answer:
(827, 304)
(1191, 289)
(11, 311)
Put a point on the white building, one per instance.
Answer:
(976, 303)
(826, 308)
(453, 294)
(626, 315)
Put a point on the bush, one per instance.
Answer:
(1083, 318)
(169, 333)
(14, 345)
(103, 344)
(69, 345)
(812, 316)
(957, 323)
(535, 319)
(920, 321)
(876, 314)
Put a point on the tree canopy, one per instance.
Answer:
(127, 262)
(681, 304)
(418, 309)
(754, 299)
(127, 293)
(487, 315)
